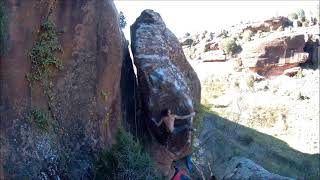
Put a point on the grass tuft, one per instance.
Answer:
(125, 160)
(40, 118)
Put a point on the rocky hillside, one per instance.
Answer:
(262, 76)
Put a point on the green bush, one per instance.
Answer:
(40, 118)
(43, 54)
(301, 15)
(246, 35)
(229, 46)
(122, 20)
(125, 160)
(224, 34)
(293, 16)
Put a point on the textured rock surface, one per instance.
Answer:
(292, 71)
(166, 80)
(245, 169)
(313, 48)
(272, 55)
(269, 24)
(213, 56)
(81, 119)
(129, 92)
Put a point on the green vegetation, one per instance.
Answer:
(301, 15)
(40, 118)
(125, 160)
(43, 54)
(200, 111)
(224, 33)
(104, 95)
(213, 88)
(3, 28)
(293, 16)
(250, 80)
(229, 45)
(266, 116)
(246, 35)
(122, 20)
(299, 74)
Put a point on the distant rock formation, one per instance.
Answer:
(82, 105)
(271, 56)
(245, 169)
(269, 24)
(165, 80)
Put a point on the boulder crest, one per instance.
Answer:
(149, 16)
(165, 80)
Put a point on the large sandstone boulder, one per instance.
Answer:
(166, 80)
(240, 168)
(272, 55)
(269, 24)
(82, 102)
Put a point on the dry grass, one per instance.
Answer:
(266, 116)
(213, 88)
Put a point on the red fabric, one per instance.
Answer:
(178, 175)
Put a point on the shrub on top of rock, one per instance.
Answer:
(229, 46)
(122, 20)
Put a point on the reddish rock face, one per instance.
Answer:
(82, 119)
(272, 56)
(292, 71)
(165, 80)
(270, 24)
